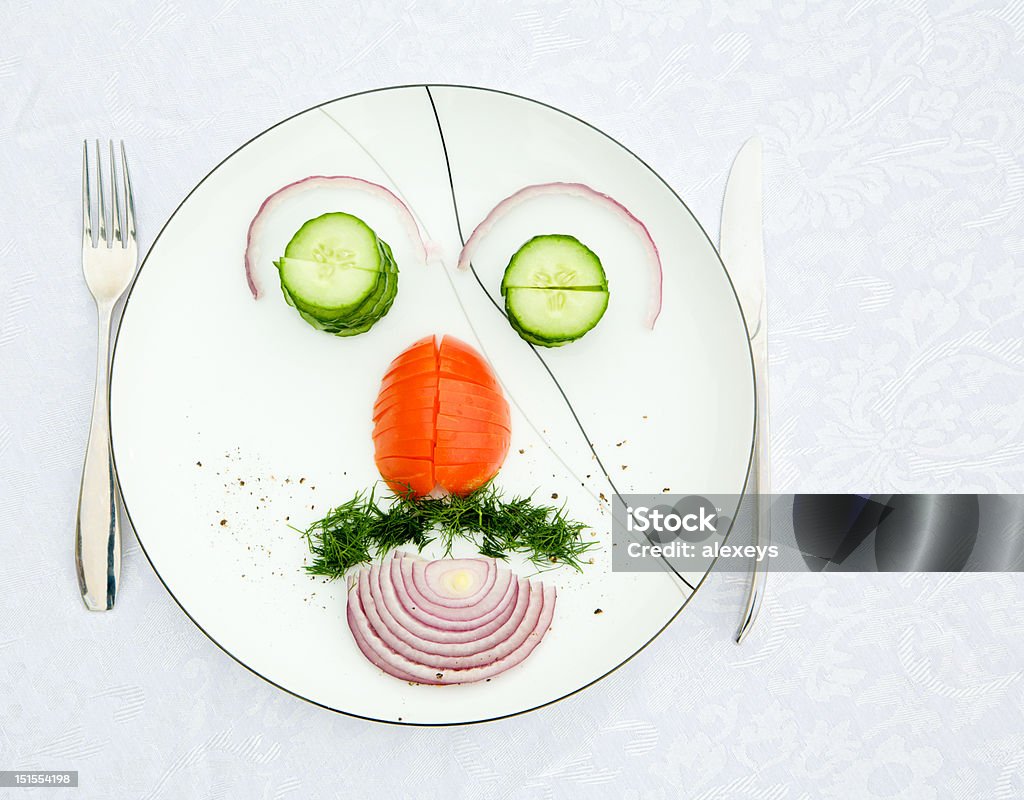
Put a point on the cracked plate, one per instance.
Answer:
(233, 420)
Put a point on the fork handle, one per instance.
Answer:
(98, 529)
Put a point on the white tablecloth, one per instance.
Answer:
(895, 203)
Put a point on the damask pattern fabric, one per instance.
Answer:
(894, 142)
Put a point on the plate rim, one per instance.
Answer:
(113, 364)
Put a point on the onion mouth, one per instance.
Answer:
(446, 645)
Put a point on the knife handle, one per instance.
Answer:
(760, 477)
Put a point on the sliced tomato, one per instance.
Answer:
(470, 425)
(411, 399)
(401, 417)
(422, 352)
(494, 396)
(440, 406)
(462, 479)
(410, 369)
(415, 475)
(446, 455)
(464, 438)
(468, 362)
(397, 443)
(453, 346)
(409, 383)
(462, 356)
(470, 404)
(413, 354)
(468, 374)
(428, 344)
(496, 416)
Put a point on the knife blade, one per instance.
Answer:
(741, 245)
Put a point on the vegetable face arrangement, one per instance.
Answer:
(441, 432)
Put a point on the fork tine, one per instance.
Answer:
(115, 216)
(102, 204)
(129, 200)
(86, 205)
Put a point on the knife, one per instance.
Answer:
(742, 248)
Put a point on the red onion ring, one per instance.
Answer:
(489, 637)
(434, 579)
(420, 588)
(402, 576)
(426, 626)
(377, 619)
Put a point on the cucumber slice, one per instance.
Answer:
(337, 238)
(359, 323)
(554, 261)
(553, 317)
(327, 290)
(563, 288)
(339, 280)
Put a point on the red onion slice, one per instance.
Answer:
(587, 193)
(458, 582)
(361, 631)
(377, 652)
(285, 193)
(389, 596)
(419, 587)
(388, 635)
(490, 644)
(402, 576)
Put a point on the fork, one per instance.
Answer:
(109, 263)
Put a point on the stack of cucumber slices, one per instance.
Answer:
(555, 290)
(338, 274)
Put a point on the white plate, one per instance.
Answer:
(204, 375)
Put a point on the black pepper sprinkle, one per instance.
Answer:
(598, 611)
(439, 676)
(621, 443)
(302, 480)
(601, 495)
(521, 451)
(554, 495)
(199, 463)
(666, 490)
(624, 467)
(241, 482)
(223, 523)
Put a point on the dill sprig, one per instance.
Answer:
(364, 529)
